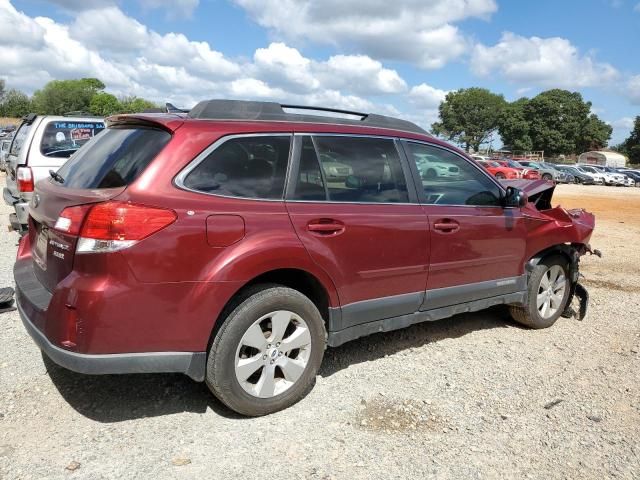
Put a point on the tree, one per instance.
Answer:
(2, 87)
(514, 126)
(469, 116)
(14, 104)
(631, 146)
(556, 119)
(104, 104)
(595, 134)
(63, 96)
(135, 104)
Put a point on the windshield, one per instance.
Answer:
(513, 164)
(587, 169)
(62, 138)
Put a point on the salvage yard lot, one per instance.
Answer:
(475, 396)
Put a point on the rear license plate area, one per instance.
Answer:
(40, 250)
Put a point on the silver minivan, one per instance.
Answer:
(40, 146)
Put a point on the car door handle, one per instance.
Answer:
(446, 225)
(325, 227)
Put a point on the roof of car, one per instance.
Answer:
(276, 112)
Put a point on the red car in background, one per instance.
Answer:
(527, 173)
(499, 171)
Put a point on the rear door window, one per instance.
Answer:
(354, 169)
(248, 167)
(61, 139)
(114, 158)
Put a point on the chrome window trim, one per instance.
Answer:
(178, 180)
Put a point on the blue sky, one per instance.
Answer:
(391, 57)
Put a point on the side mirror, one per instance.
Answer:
(514, 198)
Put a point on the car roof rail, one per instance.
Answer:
(272, 111)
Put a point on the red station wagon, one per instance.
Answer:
(218, 244)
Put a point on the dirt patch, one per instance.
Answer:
(609, 285)
(395, 416)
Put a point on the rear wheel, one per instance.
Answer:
(547, 176)
(548, 293)
(266, 355)
(430, 175)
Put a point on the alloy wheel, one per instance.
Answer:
(273, 354)
(551, 291)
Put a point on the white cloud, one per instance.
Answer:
(134, 60)
(624, 123)
(426, 96)
(108, 28)
(176, 8)
(633, 89)
(360, 73)
(544, 62)
(416, 31)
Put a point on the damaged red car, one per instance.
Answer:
(236, 242)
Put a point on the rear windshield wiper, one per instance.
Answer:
(56, 176)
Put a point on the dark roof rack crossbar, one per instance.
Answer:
(272, 111)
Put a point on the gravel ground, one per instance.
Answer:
(475, 396)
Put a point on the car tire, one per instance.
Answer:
(272, 386)
(500, 176)
(547, 177)
(541, 310)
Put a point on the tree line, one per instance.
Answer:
(557, 121)
(59, 97)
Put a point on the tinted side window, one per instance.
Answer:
(250, 167)
(361, 169)
(113, 158)
(310, 185)
(19, 139)
(449, 179)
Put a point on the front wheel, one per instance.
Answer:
(547, 177)
(500, 176)
(548, 293)
(266, 355)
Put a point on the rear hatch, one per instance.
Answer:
(98, 172)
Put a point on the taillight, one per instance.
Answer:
(70, 220)
(113, 226)
(24, 177)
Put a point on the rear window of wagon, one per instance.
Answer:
(114, 158)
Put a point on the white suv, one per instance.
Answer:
(40, 146)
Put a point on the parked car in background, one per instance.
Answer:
(525, 172)
(634, 174)
(598, 177)
(546, 173)
(40, 146)
(433, 168)
(5, 143)
(498, 171)
(611, 176)
(563, 177)
(578, 176)
(197, 245)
